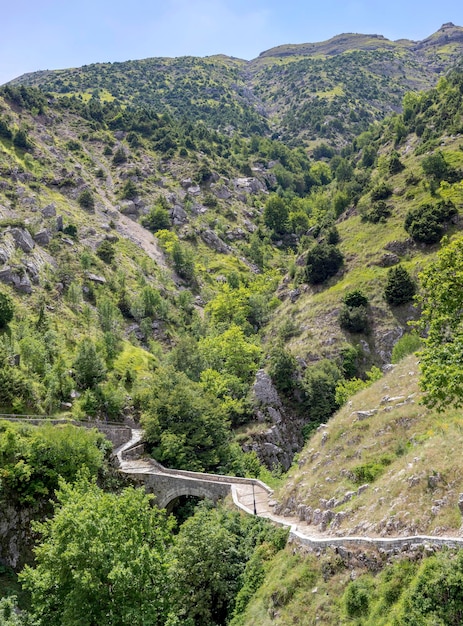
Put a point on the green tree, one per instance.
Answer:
(400, 287)
(102, 559)
(186, 426)
(206, 571)
(157, 219)
(88, 365)
(6, 309)
(323, 261)
(86, 199)
(106, 251)
(441, 299)
(276, 214)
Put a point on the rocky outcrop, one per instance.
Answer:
(276, 445)
(213, 241)
(23, 239)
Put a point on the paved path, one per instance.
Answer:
(250, 493)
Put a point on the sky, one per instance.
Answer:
(55, 34)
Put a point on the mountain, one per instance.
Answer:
(229, 275)
(298, 93)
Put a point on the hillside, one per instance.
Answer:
(235, 274)
(331, 90)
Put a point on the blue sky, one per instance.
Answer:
(52, 34)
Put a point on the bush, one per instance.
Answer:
(323, 261)
(6, 309)
(400, 287)
(408, 344)
(354, 319)
(106, 251)
(119, 156)
(355, 298)
(381, 192)
(86, 200)
(379, 212)
(319, 386)
(426, 222)
(157, 219)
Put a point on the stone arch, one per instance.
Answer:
(185, 490)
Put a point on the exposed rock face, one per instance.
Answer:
(128, 207)
(213, 241)
(23, 239)
(49, 211)
(178, 215)
(277, 445)
(43, 237)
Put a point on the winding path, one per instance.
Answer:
(253, 497)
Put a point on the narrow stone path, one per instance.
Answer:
(254, 497)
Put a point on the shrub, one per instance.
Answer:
(381, 192)
(119, 156)
(355, 298)
(86, 200)
(6, 309)
(129, 190)
(400, 287)
(323, 261)
(379, 212)
(319, 386)
(157, 219)
(106, 251)
(353, 318)
(406, 345)
(426, 222)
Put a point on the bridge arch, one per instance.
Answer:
(163, 501)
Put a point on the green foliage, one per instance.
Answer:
(120, 156)
(319, 387)
(441, 302)
(347, 388)
(377, 213)
(283, 369)
(183, 261)
(88, 365)
(400, 287)
(218, 555)
(129, 190)
(102, 559)
(434, 166)
(357, 598)
(435, 596)
(33, 458)
(86, 199)
(276, 214)
(157, 219)
(353, 318)
(407, 344)
(106, 251)
(323, 261)
(370, 471)
(426, 222)
(186, 426)
(381, 192)
(6, 309)
(10, 615)
(21, 140)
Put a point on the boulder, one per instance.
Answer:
(23, 285)
(6, 275)
(128, 207)
(213, 241)
(49, 210)
(23, 239)
(96, 279)
(178, 215)
(43, 237)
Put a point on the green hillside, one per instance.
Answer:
(230, 255)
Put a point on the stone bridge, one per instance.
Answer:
(169, 484)
(249, 495)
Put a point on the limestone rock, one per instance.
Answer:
(49, 210)
(43, 237)
(178, 215)
(213, 241)
(96, 279)
(23, 239)
(264, 391)
(128, 207)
